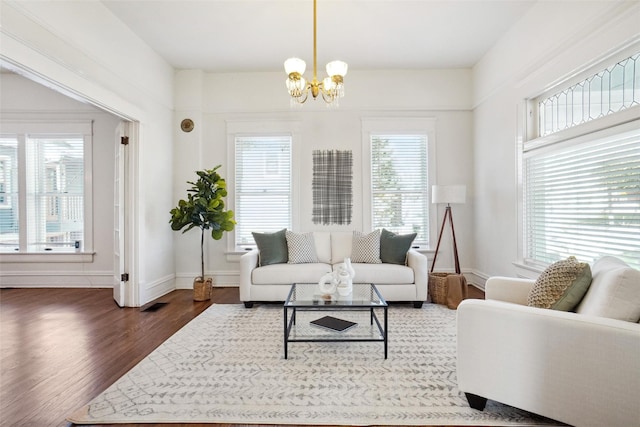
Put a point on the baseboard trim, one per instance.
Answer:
(476, 279)
(157, 288)
(221, 279)
(56, 279)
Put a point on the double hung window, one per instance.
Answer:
(399, 184)
(400, 175)
(43, 196)
(263, 183)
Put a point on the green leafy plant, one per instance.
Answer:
(204, 208)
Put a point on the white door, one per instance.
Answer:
(119, 215)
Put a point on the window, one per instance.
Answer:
(581, 179)
(400, 175)
(584, 200)
(399, 184)
(5, 174)
(42, 188)
(9, 219)
(262, 185)
(606, 92)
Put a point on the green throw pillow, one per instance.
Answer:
(561, 286)
(272, 246)
(394, 247)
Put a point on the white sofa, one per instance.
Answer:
(580, 368)
(273, 282)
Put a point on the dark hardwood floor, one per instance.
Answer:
(59, 348)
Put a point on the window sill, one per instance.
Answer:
(64, 257)
(527, 271)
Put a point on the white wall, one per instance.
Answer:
(550, 43)
(21, 99)
(212, 100)
(81, 49)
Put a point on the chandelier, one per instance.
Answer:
(331, 87)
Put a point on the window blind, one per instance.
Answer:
(55, 192)
(583, 200)
(399, 184)
(263, 185)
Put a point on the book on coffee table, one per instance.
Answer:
(333, 323)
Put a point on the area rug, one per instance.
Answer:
(227, 366)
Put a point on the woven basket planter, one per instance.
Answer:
(202, 290)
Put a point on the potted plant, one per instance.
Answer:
(204, 208)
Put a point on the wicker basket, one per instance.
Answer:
(438, 287)
(202, 290)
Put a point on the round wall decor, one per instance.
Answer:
(187, 125)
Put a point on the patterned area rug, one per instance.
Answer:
(227, 366)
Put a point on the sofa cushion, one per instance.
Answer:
(287, 274)
(302, 248)
(394, 247)
(614, 291)
(381, 273)
(341, 242)
(272, 246)
(561, 285)
(323, 245)
(365, 248)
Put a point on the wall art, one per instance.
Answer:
(332, 187)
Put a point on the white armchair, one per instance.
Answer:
(577, 368)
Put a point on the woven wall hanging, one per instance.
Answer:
(332, 187)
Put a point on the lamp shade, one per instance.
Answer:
(337, 68)
(448, 193)
(294, 65)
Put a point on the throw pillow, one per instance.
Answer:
(272, 246)
(302, 248)
(614, 291)
(394, 247)
(366, 247)
(561, 286)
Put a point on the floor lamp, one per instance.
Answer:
(448, 194)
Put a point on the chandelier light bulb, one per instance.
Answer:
(328, 84)
(296, 87)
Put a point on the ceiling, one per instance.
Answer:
(258, 35)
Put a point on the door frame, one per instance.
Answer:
(132, 294)
(124, 292)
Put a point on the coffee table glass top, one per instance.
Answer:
(309, 295)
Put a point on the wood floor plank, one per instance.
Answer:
(59, 348)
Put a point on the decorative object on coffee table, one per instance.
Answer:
(204, 208)
(447, 288)
(340, 280)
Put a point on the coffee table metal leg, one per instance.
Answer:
(286, 333)
(385, 333)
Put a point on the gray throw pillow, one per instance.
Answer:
(394, 247)
(272, 246)
(302, 248)
(365, 248)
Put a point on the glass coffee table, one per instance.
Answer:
(310, 316)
